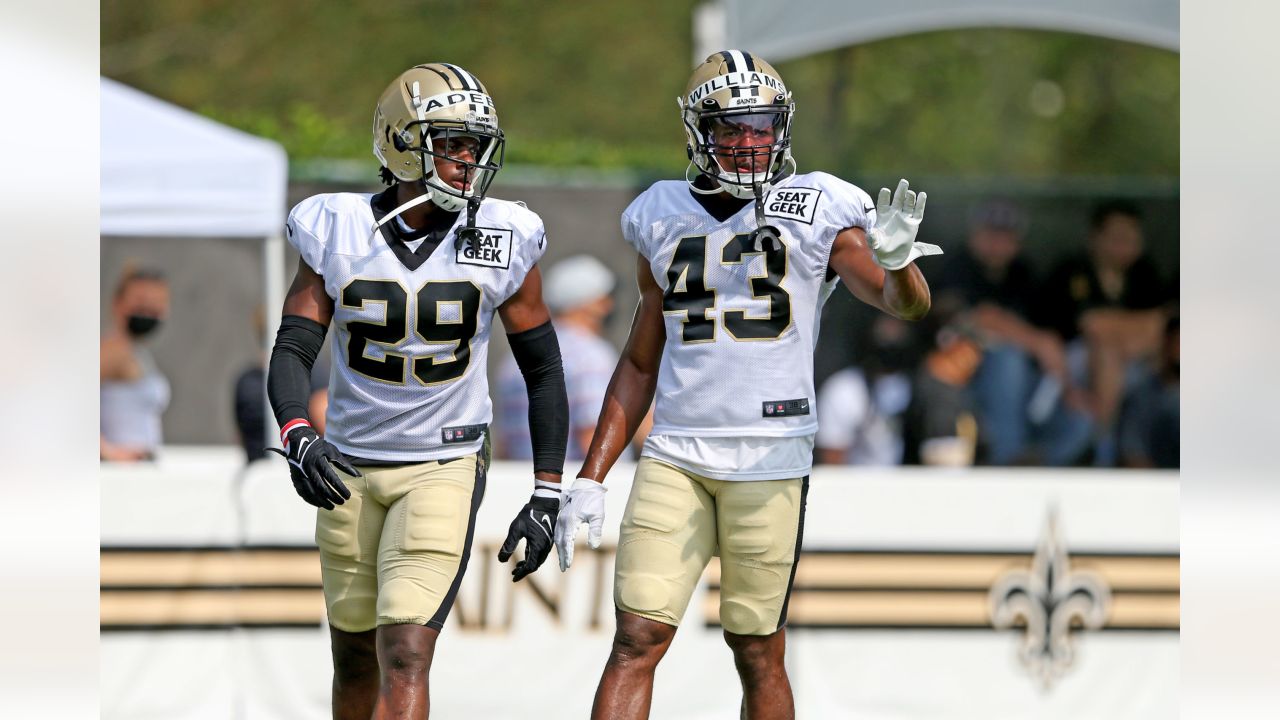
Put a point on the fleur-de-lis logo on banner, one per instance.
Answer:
(1049, 599)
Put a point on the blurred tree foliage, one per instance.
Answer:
(592, 84)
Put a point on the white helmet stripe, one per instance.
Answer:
(737, 63)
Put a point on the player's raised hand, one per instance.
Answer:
(893, 238)
(584, 503)
(311, 458)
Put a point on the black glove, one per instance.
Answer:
(536, 524)
(309, 456)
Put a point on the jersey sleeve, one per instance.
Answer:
(633, 224)
(307, 231)
(847, 205)
(844, 206)
(528, 247)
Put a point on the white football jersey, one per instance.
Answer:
(411, 333)
(742, 323)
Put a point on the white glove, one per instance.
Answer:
(584, 503)
(893, 239)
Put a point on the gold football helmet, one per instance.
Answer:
(440, 111)
(737, 118)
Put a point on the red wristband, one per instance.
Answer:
(295, 423)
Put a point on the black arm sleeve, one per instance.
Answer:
(538, 354)
(298, 342)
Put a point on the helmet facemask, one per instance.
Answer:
(743, 149)
(471, 153)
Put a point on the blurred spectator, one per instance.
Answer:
(250, 396)
(1149, 416)
(578, 291)
(1025, 402)
(1107, 303)
(939, 427)
(133, 391)
(860, 407)
(249, 407)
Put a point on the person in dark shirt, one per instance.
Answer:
(1108, 303)
(1026, 406)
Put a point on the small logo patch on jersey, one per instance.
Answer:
(493, 249)
(785, 408)
(793, 203)
(461, 433)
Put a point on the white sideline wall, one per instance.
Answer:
(506, 653)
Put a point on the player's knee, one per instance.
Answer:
(755, 653)
(406, 655)
(639, 644)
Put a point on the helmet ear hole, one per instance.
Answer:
(398, 142)
(688, 149)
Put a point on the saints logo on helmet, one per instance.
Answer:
(737, 117)
(439, 111)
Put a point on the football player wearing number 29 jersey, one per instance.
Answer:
(410, 279)
(734, 266)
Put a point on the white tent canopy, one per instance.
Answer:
(167, 171)
(783, 31)
(171, 173)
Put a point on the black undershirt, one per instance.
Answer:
(721, 205)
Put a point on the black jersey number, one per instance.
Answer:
(687, 291)
(447, 312)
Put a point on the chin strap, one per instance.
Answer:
(469, 233)
(692, 181)
(425, 197)
(764, 234)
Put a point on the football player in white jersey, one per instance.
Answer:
(734, 266)
(410, 279)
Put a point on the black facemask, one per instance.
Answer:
(142, 325)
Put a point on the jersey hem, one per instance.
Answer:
(719, 432)
(736, 476)
(452, 451)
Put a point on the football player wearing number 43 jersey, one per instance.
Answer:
(734, 267)
(410, 279)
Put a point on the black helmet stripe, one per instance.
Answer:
(464, 77)
(443, 76)
(729, 58)
(751, 62)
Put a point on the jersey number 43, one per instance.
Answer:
(687, 291)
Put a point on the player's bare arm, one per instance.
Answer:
(533, 342)
(626, 403)
(901, 293)
(630, 391)
(307, 297)
(878, 264)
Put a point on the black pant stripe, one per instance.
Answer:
(795, 562)
(477, 494)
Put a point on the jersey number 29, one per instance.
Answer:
(447, 312)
